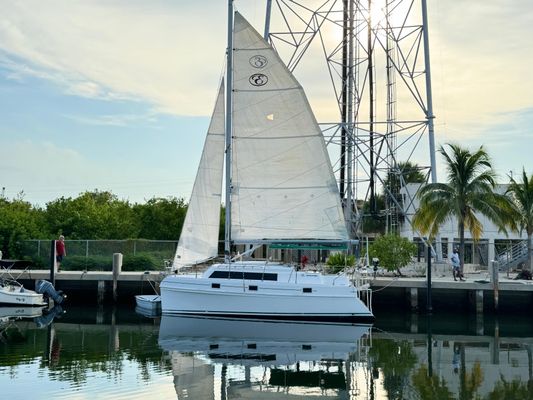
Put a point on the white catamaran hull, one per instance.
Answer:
(296, 296)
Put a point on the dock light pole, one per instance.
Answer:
(429, 306)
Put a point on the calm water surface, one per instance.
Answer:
(90, 353)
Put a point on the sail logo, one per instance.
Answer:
(258, 79)
(258, 61)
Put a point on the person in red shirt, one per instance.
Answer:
(61, 251)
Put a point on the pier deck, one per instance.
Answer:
(95, 286)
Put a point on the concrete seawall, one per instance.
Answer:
(475, 295)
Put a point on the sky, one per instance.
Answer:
(116, 95)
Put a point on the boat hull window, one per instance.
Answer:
(215, 285)
(307, 290)
(251, 276)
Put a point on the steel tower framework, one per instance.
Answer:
(377, 58)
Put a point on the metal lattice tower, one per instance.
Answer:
(376, 54)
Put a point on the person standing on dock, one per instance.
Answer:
(61, 251)
(456, 265)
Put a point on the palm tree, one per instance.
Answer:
(469, 189)
(521, 196)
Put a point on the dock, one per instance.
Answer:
(475, 295)
(96, 287)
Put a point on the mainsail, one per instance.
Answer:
(283, 186)
(199, 237)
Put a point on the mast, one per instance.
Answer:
(349, 155)
(229, 126)
(267, 19)
(372, 184)
(343, 104)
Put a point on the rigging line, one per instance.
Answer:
(315, 135)
(282, 187)
(267, 90)
(386, 286)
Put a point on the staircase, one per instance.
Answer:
(513, 256)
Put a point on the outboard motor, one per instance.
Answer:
(48, 316)
(47, 289)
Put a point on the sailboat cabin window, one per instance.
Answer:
(252, 276)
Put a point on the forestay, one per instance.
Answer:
(199, 237)
(283, 185)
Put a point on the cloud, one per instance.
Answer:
(158, 52)
(481, 52)
(171, 55)
(117, 120)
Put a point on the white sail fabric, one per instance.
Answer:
(199, 237)
(283, 185)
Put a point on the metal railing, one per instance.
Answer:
(101, 250)
(512, 256)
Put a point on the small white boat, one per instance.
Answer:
(151, 303)
(20, 312)
(12, 293)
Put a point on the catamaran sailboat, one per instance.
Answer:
(280, 189)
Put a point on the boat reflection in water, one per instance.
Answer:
(246, 359)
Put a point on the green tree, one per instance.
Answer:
(513, 390)
(393, 251)
(521, 196)
(161, 219)
(395, 359)
(92, 215)
(469, 189)
(374, 222)
(430, 387)
(19, 221)
(338, 261)
(405, 172)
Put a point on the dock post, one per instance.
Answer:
(479, 301)
(429, 306)
(494, 345)
(414, 323)
(494, 269)
(480, 326)
(117, 269)
(100, 294)
(413, 298)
